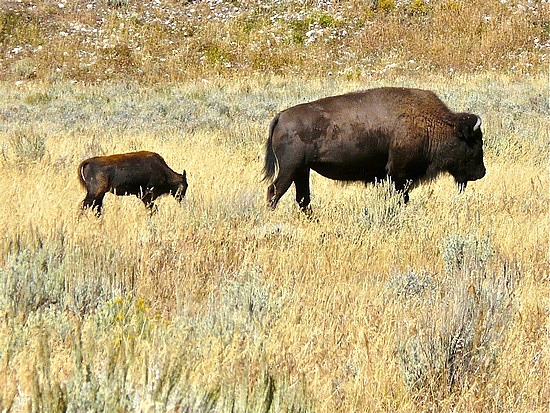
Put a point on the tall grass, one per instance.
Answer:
(223, 305)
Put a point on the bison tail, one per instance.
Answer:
(270, 164)
(81, 177)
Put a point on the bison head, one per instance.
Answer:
(465, 156)
(181, 189)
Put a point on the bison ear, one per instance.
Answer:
(184, 173)
(470, 125)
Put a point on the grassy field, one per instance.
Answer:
(222, 305)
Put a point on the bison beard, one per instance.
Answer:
(408, 135)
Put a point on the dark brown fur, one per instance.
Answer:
(408, 135)
(143, 174)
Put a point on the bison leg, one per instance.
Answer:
(149, 201)
(271, 195)
(93, 202)
(402, 186)
(301, 182)
(291, 159)
(277, 189)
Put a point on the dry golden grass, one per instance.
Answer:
(223, 305)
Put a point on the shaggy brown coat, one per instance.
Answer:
(408, 135)
(143, 174)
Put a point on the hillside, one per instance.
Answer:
(159, 41)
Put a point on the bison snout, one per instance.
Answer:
(473, 174)
(480, 173)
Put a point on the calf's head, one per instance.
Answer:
(465, 157)
(180, 186)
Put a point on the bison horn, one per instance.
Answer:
(478, 123)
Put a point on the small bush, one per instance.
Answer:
(17, 26)
(418, 8)
(386, 6)
(412, 284)
(27, 146)
(457, 250)
(32, 279)
(24, 69)
(385, 209)
(38, 98)
(456, 340)
(117, 3)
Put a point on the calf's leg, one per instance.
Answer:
(149, 201)
(94, 202)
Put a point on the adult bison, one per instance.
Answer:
(143, 174)
(408, 135)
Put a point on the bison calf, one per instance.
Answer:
(143, 174)
(408, 135)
